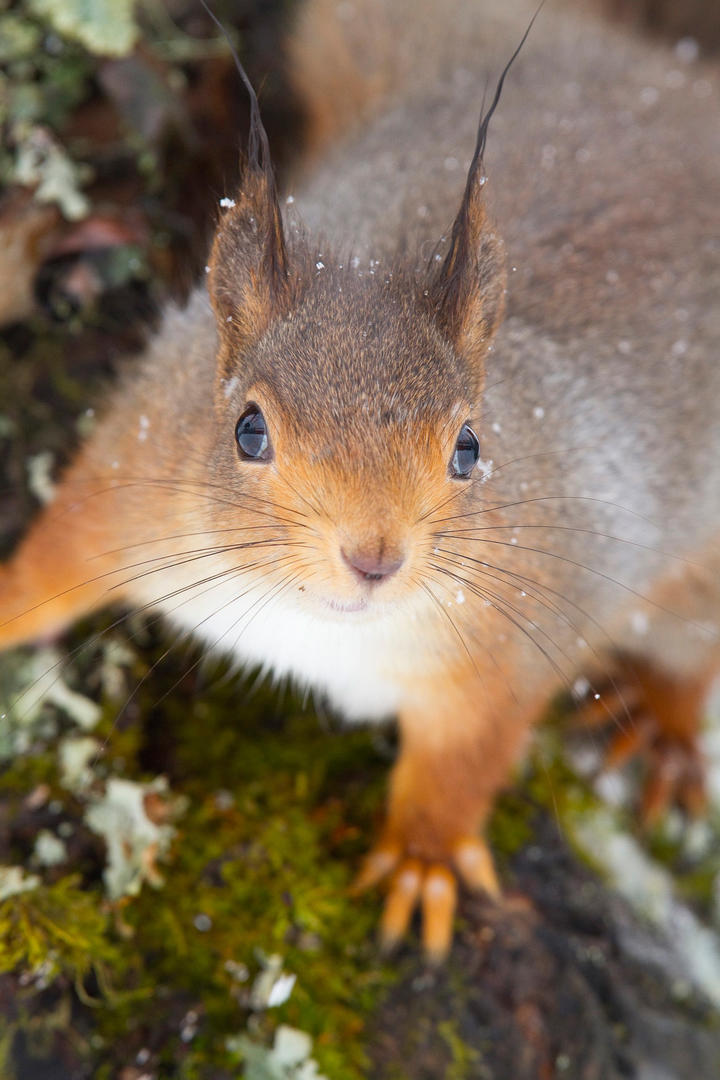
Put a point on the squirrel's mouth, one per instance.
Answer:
(349, 608)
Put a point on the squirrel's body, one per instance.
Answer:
(354, 560)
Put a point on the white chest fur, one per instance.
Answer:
(352, 659)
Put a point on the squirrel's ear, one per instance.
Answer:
(248, 266)
(468, 291)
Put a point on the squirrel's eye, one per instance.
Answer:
(467, 452)
(252, 436)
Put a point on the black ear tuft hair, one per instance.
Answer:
(259, 165)
(468, 291)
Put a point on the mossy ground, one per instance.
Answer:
(278, 808)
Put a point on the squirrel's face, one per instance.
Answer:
(347, 402)
(347, 425)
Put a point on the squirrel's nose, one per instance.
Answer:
(372, 566)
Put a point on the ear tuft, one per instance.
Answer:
(248, 278)
(468, 293)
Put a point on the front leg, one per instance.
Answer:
(459, 743)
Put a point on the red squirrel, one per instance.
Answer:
(429, 445)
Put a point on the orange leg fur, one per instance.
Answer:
(457, 752)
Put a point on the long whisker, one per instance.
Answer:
(116, 570)
(215, 580)
(473, 531)
(606, 577)
(426, 589)
(211, 615)
(554, 610)
(548, 498)
(120, 480)
(185, 536)
(500, 604)
(289, 579)
(525, 582)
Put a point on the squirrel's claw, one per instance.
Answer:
(675, 777)
(376, 866)
(432, 885)
(402, 898)
(475, 864)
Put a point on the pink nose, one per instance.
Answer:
(374, 566)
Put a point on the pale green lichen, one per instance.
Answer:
(106, 27)
(134, 841)
(14, 880)
(76, 755)
(288, 1058)
(49, 849)
(43, 165)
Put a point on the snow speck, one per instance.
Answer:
(687, 50)
(319, 265)
(639, 622)
(281, 990)
(202, 922)
(485, 468)
(538, 412)
(649, 95)
(226, 203)
(451, 164)
(547, 156)
(679, 348)
(290, 200)
(580, 688)
(674, 79)
(624, 347)
(459, 597)
(612, 277)
(272, 986)
(39, 468)
(143, 428)
(422, 211)
(207, 269)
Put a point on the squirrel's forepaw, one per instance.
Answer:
(659, 725)
(431, 885)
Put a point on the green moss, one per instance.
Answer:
(59, 929)
(278, 812)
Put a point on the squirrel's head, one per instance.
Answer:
(348, 397)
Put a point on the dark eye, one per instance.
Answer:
(252, 436)
(467, 452)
